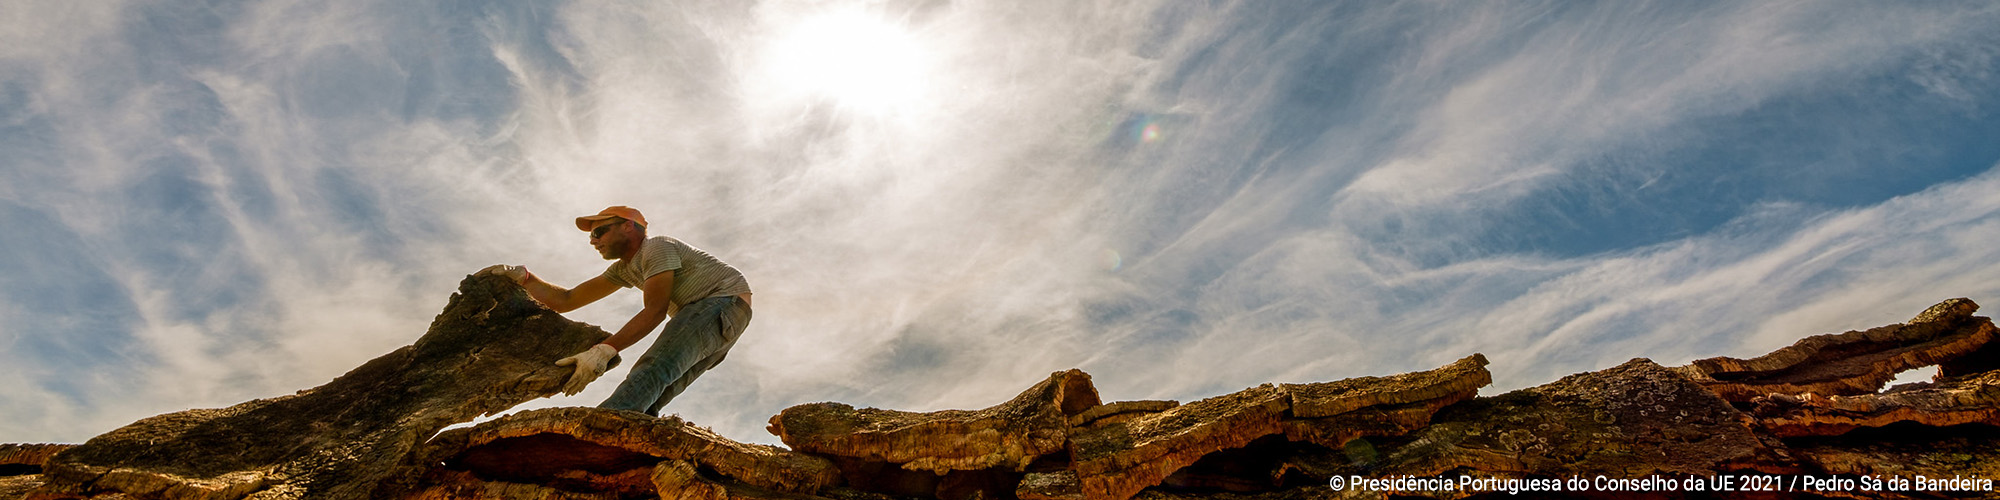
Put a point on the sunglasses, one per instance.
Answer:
(599, 232)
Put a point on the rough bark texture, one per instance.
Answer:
(1119, 411)
(20, 459)
(18, 486)
(490, 349)
(590, 449)
(21, 467)
(1118, 460)
(1631, 420)
(462, 485)
(1906, 450)
(1973, 399)
(1326, 399)
(1857, 362)
(1008, 436)
(1809, 408)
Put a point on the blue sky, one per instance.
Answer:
(938, 203)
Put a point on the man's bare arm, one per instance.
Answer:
(658, 291)
(566, 300)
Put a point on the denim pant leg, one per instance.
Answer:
(734, 319)
(688, 341)
(681, 384)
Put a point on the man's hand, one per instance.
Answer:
(590, 364)
(517, 273)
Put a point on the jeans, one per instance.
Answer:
(692, 342)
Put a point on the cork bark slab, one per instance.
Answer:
(548, 445)
(1325, 399)
(491, 348)
(1008, 436)
(23, 458)
(1115, 461)
(1956, 401)
(1627, 421)
(1856, 362)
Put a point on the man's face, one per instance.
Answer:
(609, 237)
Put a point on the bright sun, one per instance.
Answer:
(857, 60)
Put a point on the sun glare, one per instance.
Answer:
(857, 60)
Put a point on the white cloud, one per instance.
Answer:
(1591, 82)
(51, 31)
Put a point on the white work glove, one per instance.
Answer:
(516, 273)
(589, 365)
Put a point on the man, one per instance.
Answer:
(708, 300)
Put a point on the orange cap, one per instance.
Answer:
(620, 211)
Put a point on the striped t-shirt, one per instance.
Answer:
(697, 275)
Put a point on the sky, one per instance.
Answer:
(938, 203)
